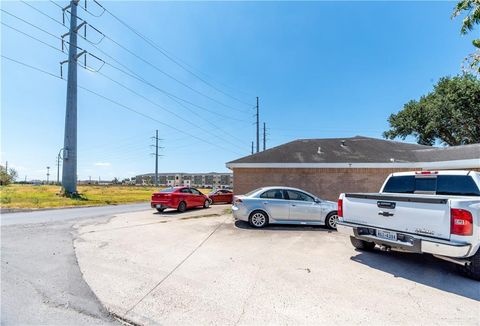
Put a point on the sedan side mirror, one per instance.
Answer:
(318, 201)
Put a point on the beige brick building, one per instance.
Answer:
(327, 167)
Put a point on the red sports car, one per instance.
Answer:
(221, 196)
(179, 198)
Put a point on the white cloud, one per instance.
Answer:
(104, 164)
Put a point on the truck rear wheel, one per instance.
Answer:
(361, 244)
(473, 270)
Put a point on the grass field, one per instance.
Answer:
(29, 196)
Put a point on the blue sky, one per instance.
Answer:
(321, 69)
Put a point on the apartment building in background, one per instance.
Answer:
(200, 180)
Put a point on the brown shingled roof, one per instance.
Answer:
(358, 149)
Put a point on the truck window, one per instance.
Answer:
(400, 184)
(454, 185)
(423, 184)
(457, 185)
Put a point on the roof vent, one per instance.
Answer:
(319, 150)
(343, 142)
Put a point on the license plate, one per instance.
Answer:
(392, 236)
(158, 206)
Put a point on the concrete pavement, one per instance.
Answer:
(41, 283)
(202, 267)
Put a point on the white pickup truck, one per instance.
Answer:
(435, 212)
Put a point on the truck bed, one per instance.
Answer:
(428, 215)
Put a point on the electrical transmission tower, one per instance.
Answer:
(69, 169)
(258, 127)
(156, 157)
(264, 136)
(69, 172)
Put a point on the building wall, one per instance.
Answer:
(325, 183)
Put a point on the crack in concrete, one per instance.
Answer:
(176, 267)
(250, 295)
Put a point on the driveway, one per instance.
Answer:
(40, 279)
(202, 267)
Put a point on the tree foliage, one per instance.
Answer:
(449, 114)
(471, 10)
(7, 177)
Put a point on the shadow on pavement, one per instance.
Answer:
(172, 212)
(284, 227)
(424, 269)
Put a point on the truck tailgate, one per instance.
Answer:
(418, 214)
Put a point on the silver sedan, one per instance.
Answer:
(284, 205)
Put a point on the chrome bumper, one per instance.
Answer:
(420, 244)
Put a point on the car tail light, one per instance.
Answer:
(340, 208)
(426, 172)
(461, 222)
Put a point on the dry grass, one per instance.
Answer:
(29, 196)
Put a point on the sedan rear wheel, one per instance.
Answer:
(182, 207)
(331, 220)
(258, 219)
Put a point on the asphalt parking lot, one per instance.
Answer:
(202, 267)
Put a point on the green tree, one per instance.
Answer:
(471, 10)
(7, 177)
(449, 114)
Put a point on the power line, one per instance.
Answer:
(171, 76)
(133, 76)
(157, 47)
(167, 55)
(160, 70)
(131, 73)
(32, 37)
(158, 105)
(27, 22)
(169, 94)
(121, 105)
(136, 76)
(44, 14)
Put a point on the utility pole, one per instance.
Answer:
(69, 175)
(48, 174)
(6, 166)
(155, 181)
(252, 147)
(264, 136)
(156, 158)
(58, 165)
(258, 128)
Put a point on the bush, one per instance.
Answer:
(6, 200)
(7, 177)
